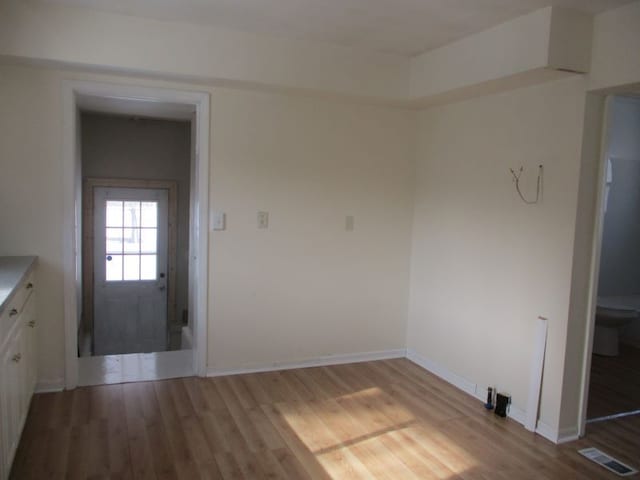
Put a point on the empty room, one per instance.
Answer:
(319, 239)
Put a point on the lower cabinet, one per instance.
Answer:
(18, 371)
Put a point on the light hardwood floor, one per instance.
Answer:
(387, 419)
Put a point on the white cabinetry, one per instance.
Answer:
(18, 373)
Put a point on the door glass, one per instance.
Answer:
(114, 268)
(148, 267)
(131, 240)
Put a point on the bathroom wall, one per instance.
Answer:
(620, 257)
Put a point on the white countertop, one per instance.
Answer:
(12, 272)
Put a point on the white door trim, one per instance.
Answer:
(594, 271)
(72, 227)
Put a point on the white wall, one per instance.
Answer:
(616, 41)
(43, 32)
(119, 147)
(31, 210)
(484, 265)
(534, 48)
(304, 287)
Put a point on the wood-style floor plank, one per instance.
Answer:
(388, 419)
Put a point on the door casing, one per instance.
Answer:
(74, 93)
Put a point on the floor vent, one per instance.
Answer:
(610, 463)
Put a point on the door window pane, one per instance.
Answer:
(148, 240)
(114, 213)
(148, 265)
(149, 214)
(131, 240)
(131, 214)
(113, 268)
(131, 267)
(131, 229)
(114, 240)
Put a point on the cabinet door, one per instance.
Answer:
(30, 343)
(4, 429)
(12, 386)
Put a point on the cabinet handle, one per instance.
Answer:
(16, 358)
(32, 323)
(13, 312)
(29, 286)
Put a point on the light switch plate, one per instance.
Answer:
(218, 220)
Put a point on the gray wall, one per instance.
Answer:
(620, 258)
(121, 147)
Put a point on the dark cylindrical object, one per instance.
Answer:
(489, 404)
(502, 402)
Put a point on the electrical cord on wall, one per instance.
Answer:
(516, 178)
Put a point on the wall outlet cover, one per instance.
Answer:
(218, 220)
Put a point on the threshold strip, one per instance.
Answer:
(614, 416)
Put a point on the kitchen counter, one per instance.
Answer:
(12, 271)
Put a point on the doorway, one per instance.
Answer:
(127, 241)
(614, 374)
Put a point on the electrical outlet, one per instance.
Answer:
(349, 223)
(263, 219)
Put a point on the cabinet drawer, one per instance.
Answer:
(22, 293)
(15, 305)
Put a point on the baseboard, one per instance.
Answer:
(50, 385)
(444, 373)
(517, 414)
(569, 434)
(557, 436)
(513, 412)
(310, 362)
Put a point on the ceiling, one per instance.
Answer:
(406, 27)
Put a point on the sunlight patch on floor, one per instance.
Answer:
(371, 428)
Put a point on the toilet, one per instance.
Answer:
(609, 321)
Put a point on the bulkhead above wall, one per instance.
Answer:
(540, 46)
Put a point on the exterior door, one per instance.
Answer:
(130, 270)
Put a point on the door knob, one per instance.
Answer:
(109, 258)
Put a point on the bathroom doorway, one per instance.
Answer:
(614, 388)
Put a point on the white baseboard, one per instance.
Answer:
(50, 385)
(310, 362)
(444, 373)
(514, 412)
(568, 434)
(517, 414)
